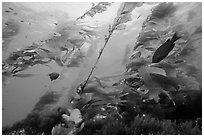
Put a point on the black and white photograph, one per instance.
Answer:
(102, 68)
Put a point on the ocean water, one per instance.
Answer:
(26, 23)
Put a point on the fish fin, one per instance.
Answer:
(175, 37)
(168, 40)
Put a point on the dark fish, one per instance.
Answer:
(53, 76)
(11, 8)
(164, 49)
(22, 21)
(7, 11)
(55, 23)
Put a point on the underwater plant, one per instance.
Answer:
(159, 92)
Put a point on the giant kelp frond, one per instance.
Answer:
(98, 8)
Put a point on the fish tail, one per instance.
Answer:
(175, 37)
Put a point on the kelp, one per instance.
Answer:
(99, 8)
(121, 19)
(44, 52)
(162, 90)
(163, 10)
(154, 80)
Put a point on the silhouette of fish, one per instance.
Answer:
(7, 11)
(11, 8)
(164, 49)
(53, 76)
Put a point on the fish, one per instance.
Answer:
(11, 8)
(53, 76)
(164, 49)
(7, 11)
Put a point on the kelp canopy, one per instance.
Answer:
(143, 98)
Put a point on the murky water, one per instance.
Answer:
(36, 22)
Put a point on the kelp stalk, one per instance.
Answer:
(111, 30)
